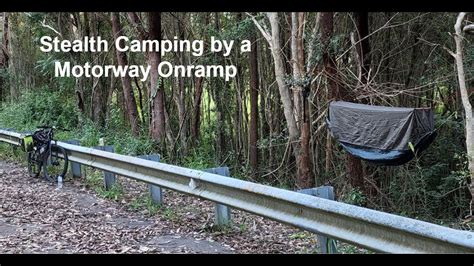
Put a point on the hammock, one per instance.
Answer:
(381, 135)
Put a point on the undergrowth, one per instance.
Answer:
(432, 187)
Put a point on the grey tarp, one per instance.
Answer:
(379, 129)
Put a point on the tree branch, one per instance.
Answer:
(263, 29)
(137, 25)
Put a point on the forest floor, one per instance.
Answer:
(37, 218)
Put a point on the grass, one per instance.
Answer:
(10, 152)
(114, 193)
(299, 235)
(95, 180)
(145, 202)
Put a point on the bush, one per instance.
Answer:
(434, 186)
(40, 107)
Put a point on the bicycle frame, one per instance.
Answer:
(46, 154)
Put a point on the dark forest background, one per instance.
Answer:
(268, 123)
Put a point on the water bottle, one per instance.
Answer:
(60, 183)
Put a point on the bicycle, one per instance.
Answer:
(45, 154)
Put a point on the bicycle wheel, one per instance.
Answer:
(57, 165)
(34, 166)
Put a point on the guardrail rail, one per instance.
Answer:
(374, 230)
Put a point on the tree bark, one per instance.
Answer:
(198, 90)
(157, 90)
(329, 68)
(98, 93)
(280, 78)
(4, 55)
(254, 87)
(129, 97)
(196, 120)
(458, 38)
(354, 168)
(294, 139)
(300, 98)
(363, 47)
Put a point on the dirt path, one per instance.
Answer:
(36, 218)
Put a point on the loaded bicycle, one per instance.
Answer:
(45, 154)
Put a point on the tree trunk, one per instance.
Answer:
(129, 97)
(254, 87)
(354, 167)
(329, 68)
(180, 97)
(363, 47)
(303, 158)
(98, 92)
(280, 78)
(273, 39)
(196, 120)
(157, 90)
(458, 37)
(4, 55)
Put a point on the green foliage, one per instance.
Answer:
(337, 45)
(145, 202)
(9, 152)
(114, 193)
(434, 186)
(355, 197)
(169, 214)
(42, 106)
(200, 158)
(95, 180)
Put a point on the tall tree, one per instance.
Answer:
(254, 87)
(354, 166)
(274, 41)
(198, 90)
(99, 91)
(329, 66)
(300, 98)
(129, 97)
(468, 112)
(363, 44)
(4, 54)
(157, 89)
(156, 92)
(336, 91)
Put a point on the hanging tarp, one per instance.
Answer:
(380, 134)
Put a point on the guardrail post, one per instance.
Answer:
(109, 178)
(223, 212)
(76, 170)
(325, 244)
(156, 192)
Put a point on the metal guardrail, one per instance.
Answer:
(10, 137)
(364, 227)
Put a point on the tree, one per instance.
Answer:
(458, 56)
(4, 55)
(254, 87)
(273, 38)
(99, 91)
(363, 44)
(198, 90)
(156, 92)
(354, 165)
(129, 97)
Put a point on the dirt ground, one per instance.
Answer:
(35, 217)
